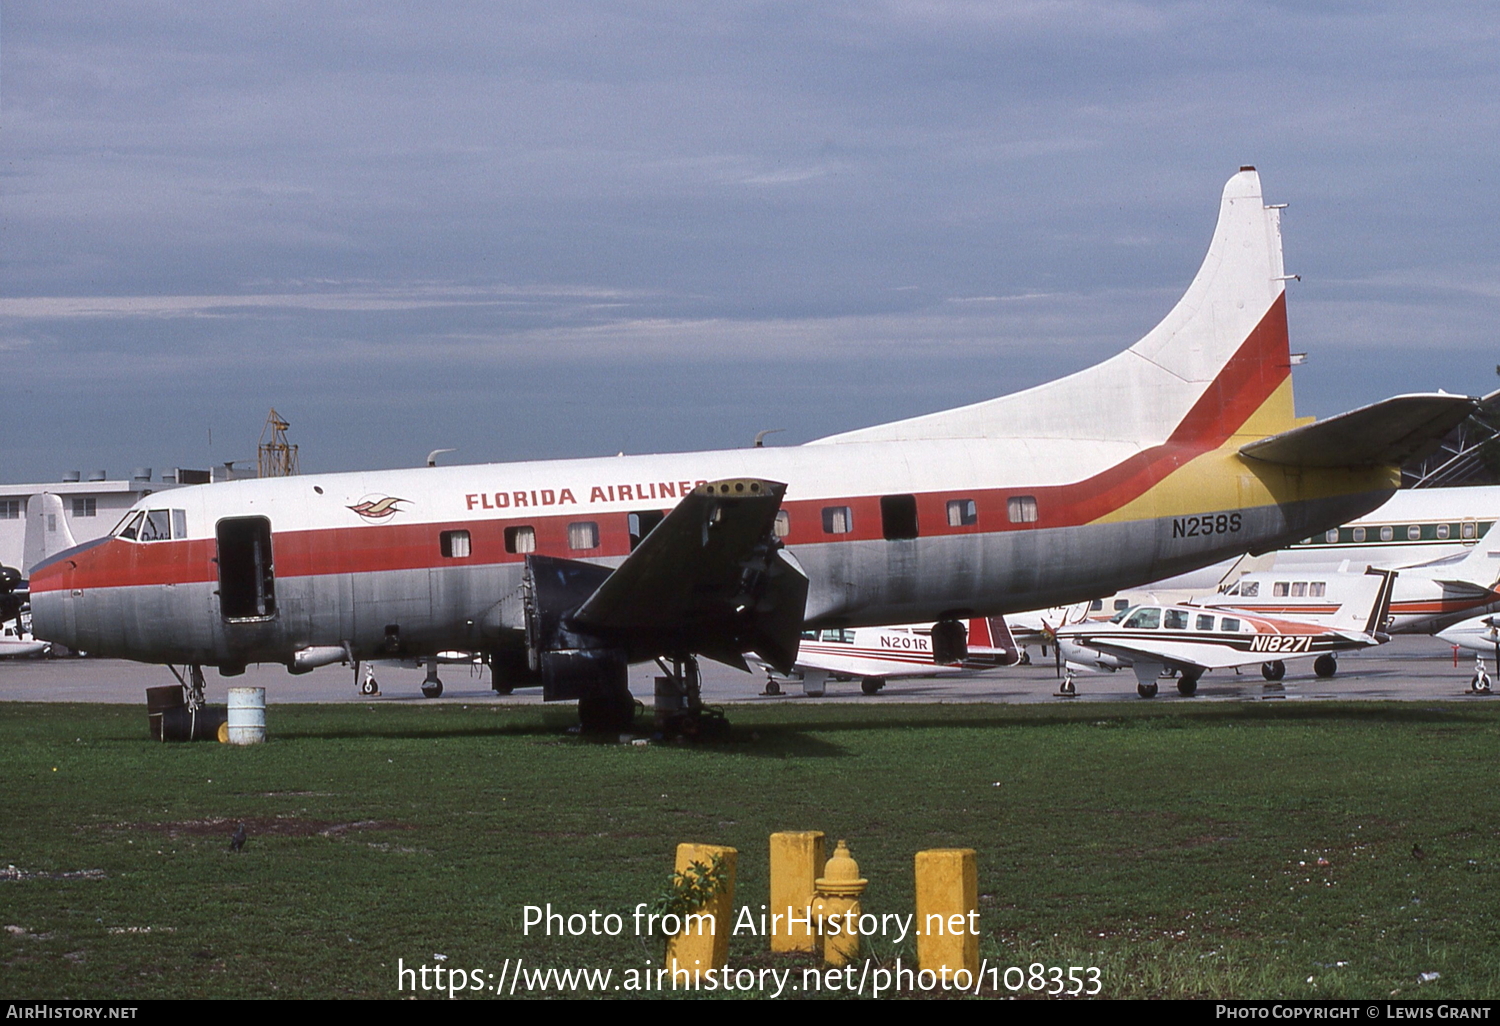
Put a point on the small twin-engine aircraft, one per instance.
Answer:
(1191, 639)
(875, 655)
(1182, 450)
(1479, 634)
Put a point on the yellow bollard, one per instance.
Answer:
(947, 911)
(703, 942)
(836, 907)
(796, 858)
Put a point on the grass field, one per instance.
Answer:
(1248, 850)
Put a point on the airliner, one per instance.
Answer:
(1181, 450)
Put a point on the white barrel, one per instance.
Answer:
(247, 716)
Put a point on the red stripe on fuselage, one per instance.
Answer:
(1255, 371)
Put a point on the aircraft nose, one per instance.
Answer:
(47, 620)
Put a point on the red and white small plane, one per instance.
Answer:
(875, 655)
(1179, 451)
(1191, 639)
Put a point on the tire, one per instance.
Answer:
(1325, 665)
(1273, 671)
(369, 687)
(1146, 690)
(433, 690)
(871, 685)
(1187, 684)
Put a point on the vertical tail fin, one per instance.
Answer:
(47, 531)
(1217, 359)
(1367, 603)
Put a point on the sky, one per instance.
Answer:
(537, 230)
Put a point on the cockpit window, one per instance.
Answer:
(156, 527)
(1148, 619)
(130, 527)
(153, 525)
(1122, 614)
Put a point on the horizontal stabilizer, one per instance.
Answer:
(1387, 433)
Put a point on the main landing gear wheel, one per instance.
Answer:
(1187, 684)
(871, 685)
(1325, 665)
(432, 687)
(1147, 690)
(773, 686)
(1273, 671)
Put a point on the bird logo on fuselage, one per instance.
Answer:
(377, 507)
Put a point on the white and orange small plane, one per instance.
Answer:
(1192, 639)
(1179, 451)
(875, 655)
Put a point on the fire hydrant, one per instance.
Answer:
(835, 906)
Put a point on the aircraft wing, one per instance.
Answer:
(1389, 432)
(710, 578)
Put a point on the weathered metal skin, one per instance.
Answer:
(856, 583)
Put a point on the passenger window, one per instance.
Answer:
(1146, 619)
(1096, 605)
(583, 535)
(783, 525)
(1317, 589)
(843, 635)
(1332, 535)
(1280, 589)
(1414, 532)
(1299, 589)
(1229, 624)
(1468, 531)
(898, 517)
(1204, 622)
(1387, 533)
(1175, 620)
(962, 513)
(837, 520)
(521, 539)
(1249, 589)
(1022, 509)
(454, 544)
(1122, 604)
(1359, 534)
(1442, 532)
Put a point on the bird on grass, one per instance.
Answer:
(237, 839)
